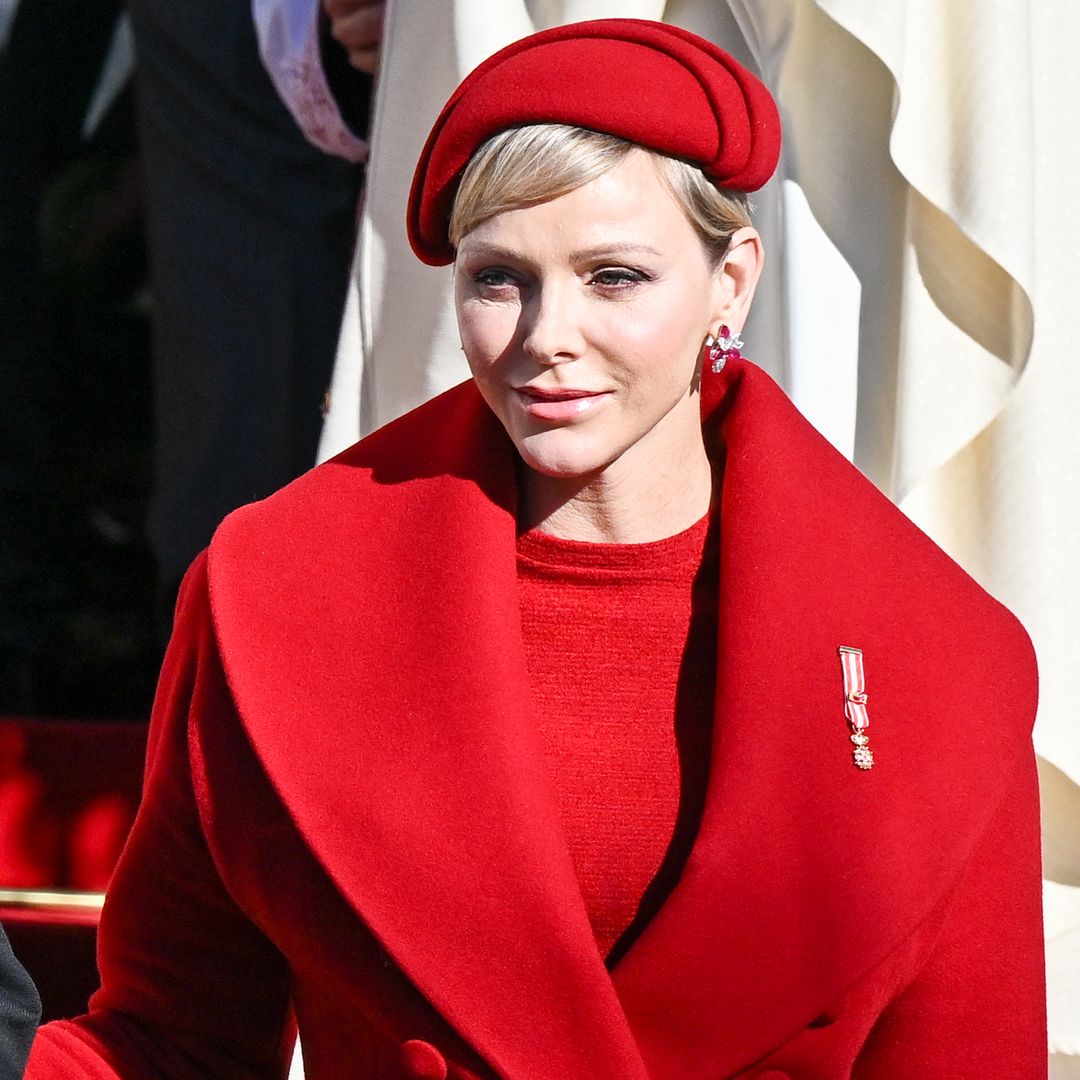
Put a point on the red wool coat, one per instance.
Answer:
(346, 807)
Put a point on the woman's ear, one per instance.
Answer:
(736, 278)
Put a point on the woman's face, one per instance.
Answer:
(582, 320)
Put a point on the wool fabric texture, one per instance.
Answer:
(347, 816)
(649, 83)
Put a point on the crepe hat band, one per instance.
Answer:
(647, 82)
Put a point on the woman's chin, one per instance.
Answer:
(551, 457)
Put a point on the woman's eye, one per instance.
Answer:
(494, 279)
(617, 277)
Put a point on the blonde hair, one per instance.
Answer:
(528, 165)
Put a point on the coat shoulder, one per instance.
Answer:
(419, 445)
(853, 570)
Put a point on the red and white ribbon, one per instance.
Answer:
(851, 660)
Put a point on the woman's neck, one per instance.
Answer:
(629, 502)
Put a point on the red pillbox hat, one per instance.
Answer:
(646, 82)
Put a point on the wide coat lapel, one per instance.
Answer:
(368, 623)
(807, 871)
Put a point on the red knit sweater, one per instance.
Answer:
(620, 641)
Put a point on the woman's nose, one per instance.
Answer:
(552, 330)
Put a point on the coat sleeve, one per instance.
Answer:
(978, 1006)
(189, 986)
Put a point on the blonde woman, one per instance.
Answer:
(596, 719)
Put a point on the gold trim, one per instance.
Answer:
(52, 898)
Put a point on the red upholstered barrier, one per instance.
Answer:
(68, 795)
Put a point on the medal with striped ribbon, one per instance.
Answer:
(855, 698)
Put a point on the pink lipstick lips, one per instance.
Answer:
(560, 403)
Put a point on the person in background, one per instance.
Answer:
(250, 231)
(50, 66)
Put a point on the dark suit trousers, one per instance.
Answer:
(20, 1010)
(48, 72)
(251, 233)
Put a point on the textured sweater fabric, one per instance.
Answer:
(620, 644)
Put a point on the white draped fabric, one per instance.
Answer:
(967, 376)
(918, 305)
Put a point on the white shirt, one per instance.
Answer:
(288, 33)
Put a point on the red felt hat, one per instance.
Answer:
(642, 81)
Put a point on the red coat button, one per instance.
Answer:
(421, 1060)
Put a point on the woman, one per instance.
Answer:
(595, 720)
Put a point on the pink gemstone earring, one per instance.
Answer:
(719, 350)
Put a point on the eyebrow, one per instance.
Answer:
(622, 247)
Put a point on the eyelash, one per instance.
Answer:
(625, 278)
(483, 278)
